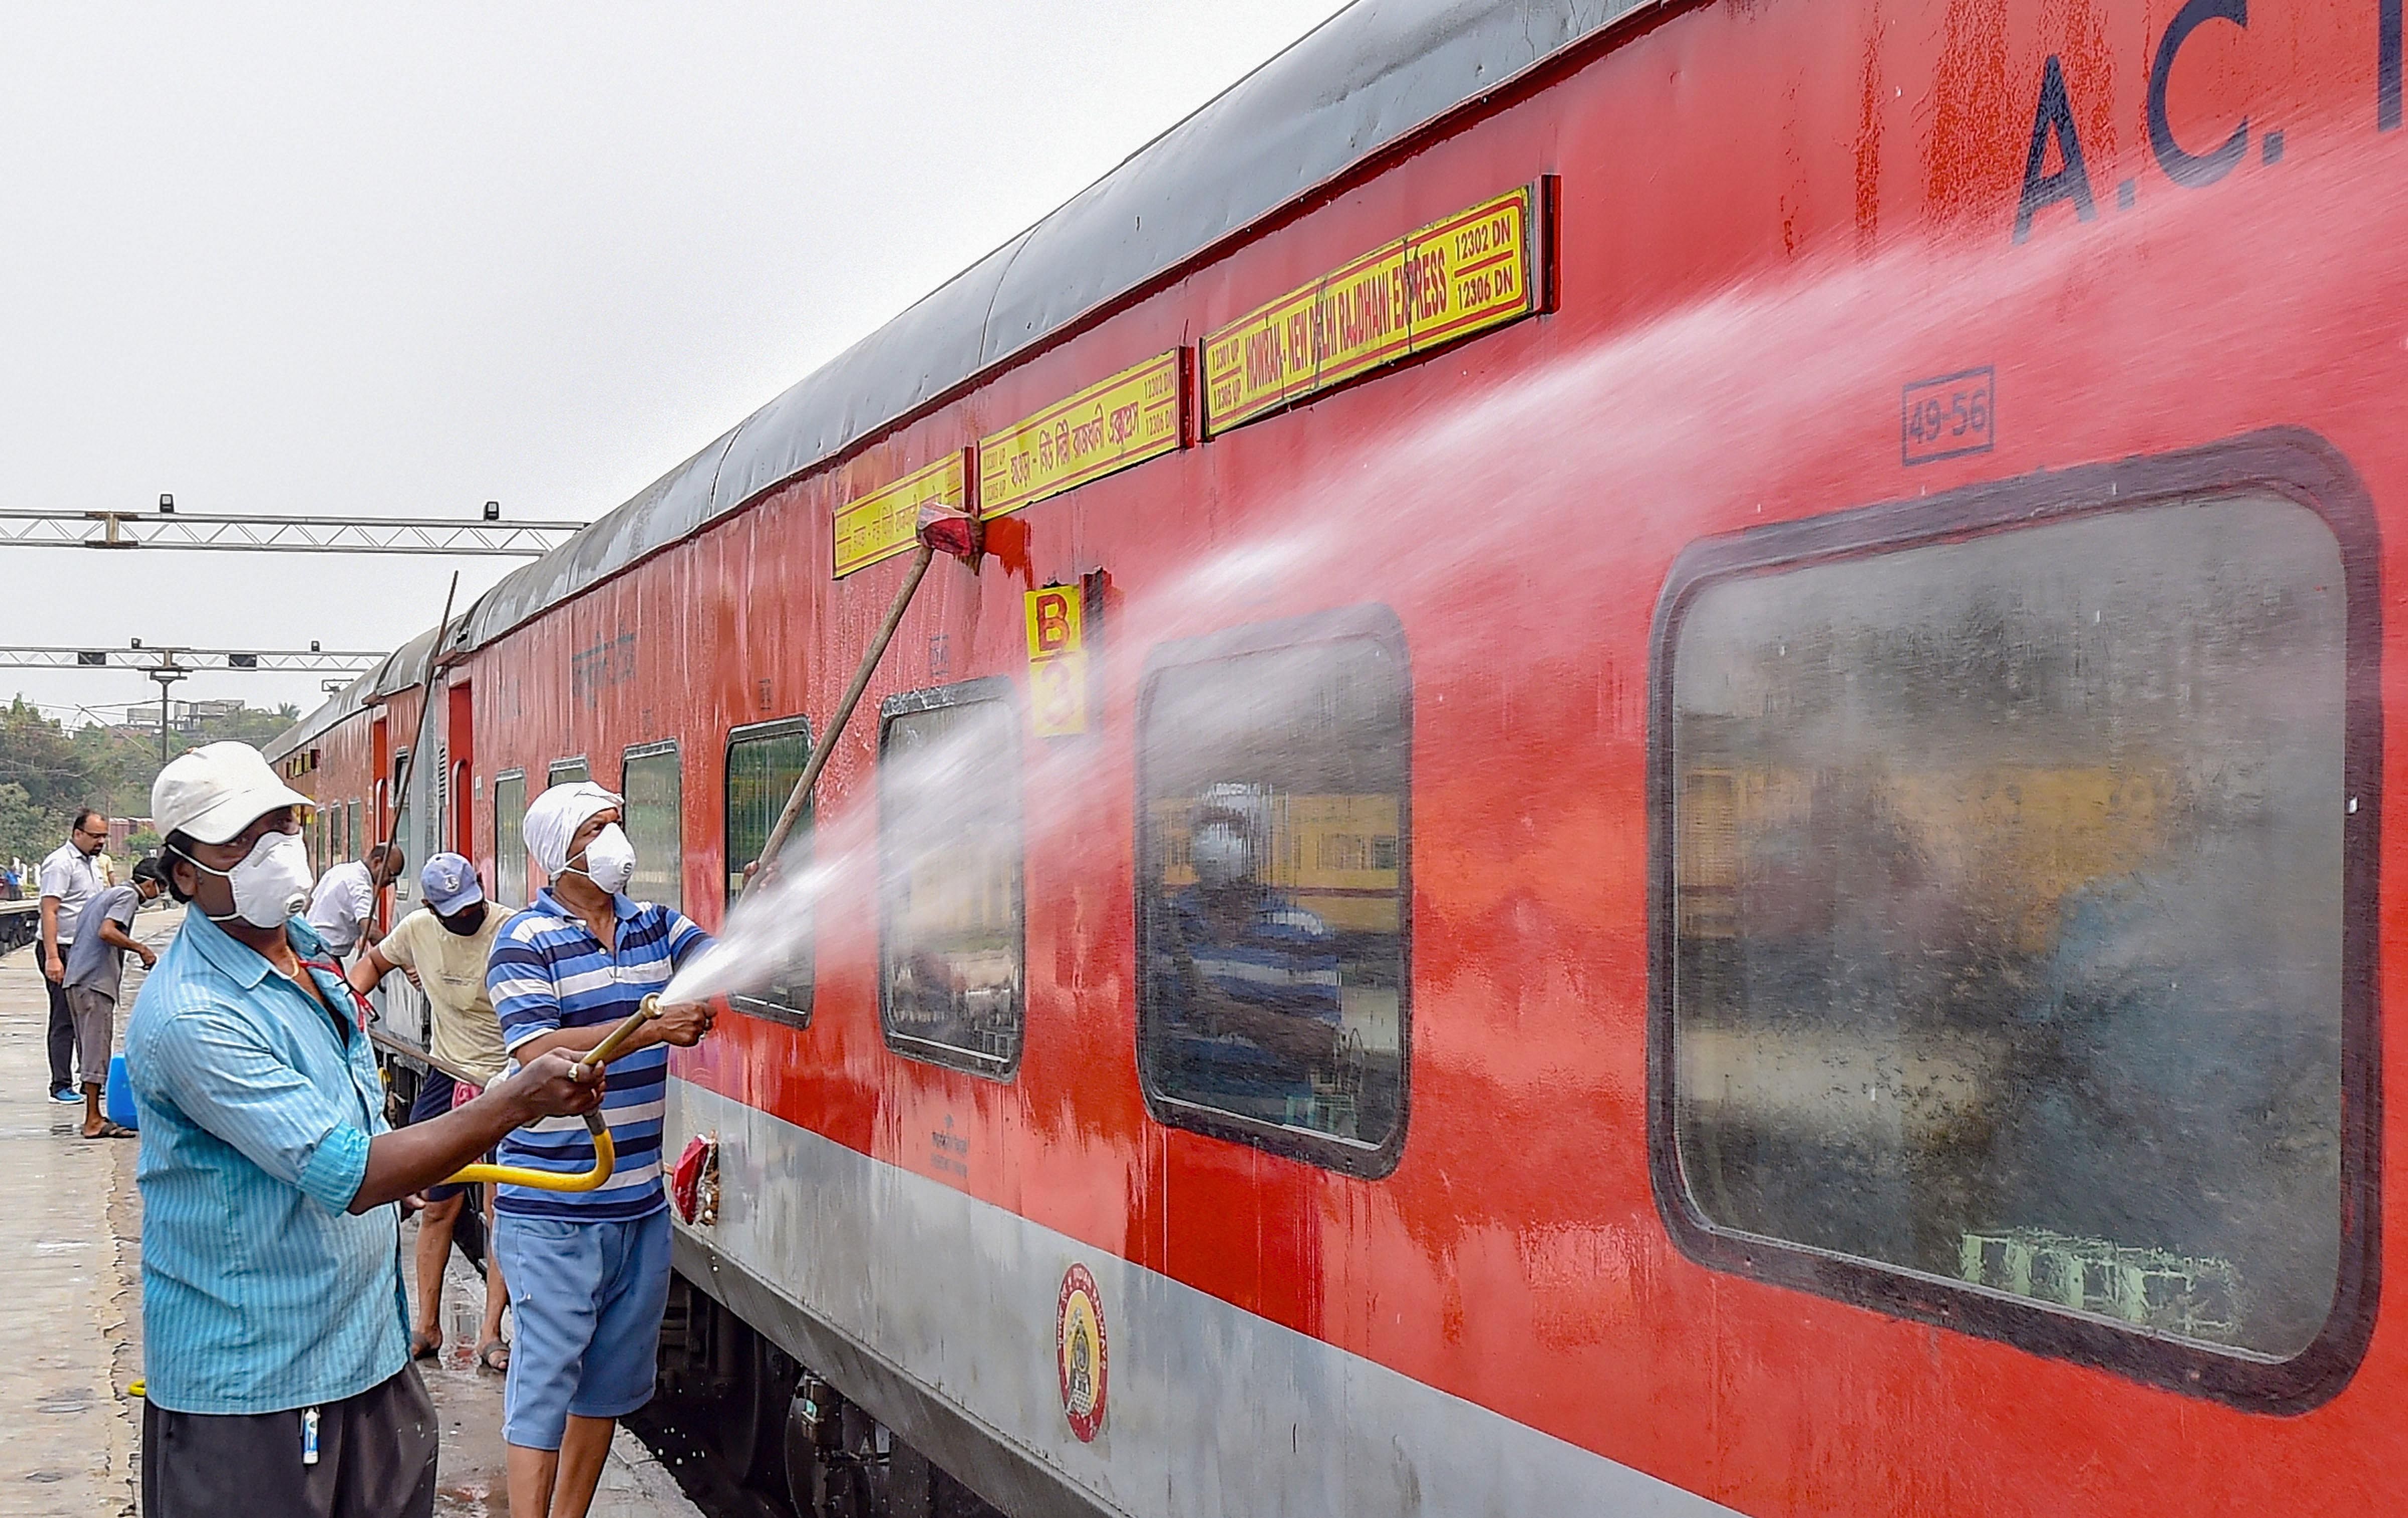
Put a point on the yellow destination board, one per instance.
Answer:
(1125, 420)
(886, 522)
(1463, 274)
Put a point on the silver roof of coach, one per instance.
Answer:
(1369, 76)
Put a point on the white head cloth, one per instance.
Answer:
(554, 818)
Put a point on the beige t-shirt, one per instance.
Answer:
(451, 971)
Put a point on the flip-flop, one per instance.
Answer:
(113, 1130)
(494, 1355)
(424, 1348)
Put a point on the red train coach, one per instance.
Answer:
(1662, 792)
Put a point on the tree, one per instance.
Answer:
(108, 767)
(53, 779)
(26, 831)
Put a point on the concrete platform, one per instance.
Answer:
(71, 1307)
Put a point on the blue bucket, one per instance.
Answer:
(119, 1098)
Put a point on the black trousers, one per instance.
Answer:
(376, 1459)
(63, 1037)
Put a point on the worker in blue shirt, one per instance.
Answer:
(275, 1321)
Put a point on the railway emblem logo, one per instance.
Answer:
(1079, 1353)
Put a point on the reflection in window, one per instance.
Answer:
(2007, 911)
(649, 783)
(763, 762)
(565, 771)
(509, 840)
(949, 841)
(1272, 893)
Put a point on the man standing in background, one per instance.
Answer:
(95, 970)
(69, 882)
(346, 897)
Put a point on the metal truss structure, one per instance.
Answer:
(169, 528)
(180, 661)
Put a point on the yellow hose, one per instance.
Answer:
(605, 1156)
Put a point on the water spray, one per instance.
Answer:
(942, 529)
(951, 532)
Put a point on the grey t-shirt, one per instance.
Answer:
(90, 961)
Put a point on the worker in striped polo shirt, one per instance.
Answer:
(588, 1272)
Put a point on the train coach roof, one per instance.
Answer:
(396, 671)
(1369, 76)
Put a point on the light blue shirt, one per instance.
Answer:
(260, 1291)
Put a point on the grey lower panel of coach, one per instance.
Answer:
(936, 1312)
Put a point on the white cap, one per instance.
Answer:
(213, 792)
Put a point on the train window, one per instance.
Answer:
(509, 838)
(952, 939)
(1274, 857)
(650, 781)
(2005, 890)
(763, 762)
(565, 771)
(351, 830)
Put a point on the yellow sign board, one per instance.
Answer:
(1125, 420)
(1057, 661)
(1463, 274)
(886, 522)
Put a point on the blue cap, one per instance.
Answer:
(449, 882)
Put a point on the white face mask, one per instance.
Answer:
(610, 860)
(270, 884)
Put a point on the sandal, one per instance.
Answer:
(113, 1130)
(494, 1355)
(425, 1346)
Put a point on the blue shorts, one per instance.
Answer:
(587, 1299)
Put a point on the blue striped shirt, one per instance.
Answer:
(260, 1291)
(549, 972)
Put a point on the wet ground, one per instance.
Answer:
(71, 1309)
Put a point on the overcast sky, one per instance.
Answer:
(403, 260)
